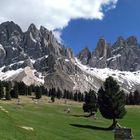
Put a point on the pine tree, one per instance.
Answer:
(46, 92)
(59, 93)
(38, 93)
(29, 90)
(127, 100)
(43, 90)
(22, 88)
(111, 101)
(8, 86)
(90, 104)
(1, 90)
(53, 98)
(71, 96)
(75, 96)
(131, 99)
(136, 97)
(15, 91)
(53, 94)
(80, 97)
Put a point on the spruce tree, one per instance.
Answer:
(15, 91)
(75, 96)
(29, 90)
(53, 98)
(131, 99)
(53, 94)
(127, 99)
(8, 86)
(111, 101)
(1, 90)
(90, 104)
(59, 93)
(38, 92)
(136, 97)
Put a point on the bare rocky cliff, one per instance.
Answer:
(36, 57)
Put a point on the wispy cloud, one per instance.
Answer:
(52, 13)
(57, 34)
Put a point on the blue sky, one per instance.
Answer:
(124, 21)
(79, 22)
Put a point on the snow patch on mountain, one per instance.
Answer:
(20, 62)
(114, 57)
(27, 75)
(124, 78)
(11, 74)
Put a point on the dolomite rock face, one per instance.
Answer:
(36, 57)
(123, 55)
(84, 56)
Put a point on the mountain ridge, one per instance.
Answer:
(36, 57)
(123, 55)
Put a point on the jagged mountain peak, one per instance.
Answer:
(101, 48)
(35, 56)
(43, 29)
(9, 30)
(120, 42)
(32, 28)
(132, 41)
(122, 55)
(84, 55)
(10, 27)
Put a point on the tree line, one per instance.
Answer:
(9, 90)
(133, 98)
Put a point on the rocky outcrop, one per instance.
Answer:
(36, 57)
(84, 56)
(99, 55)
(123, 55)
(36, 53)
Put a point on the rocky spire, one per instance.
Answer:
(101, 49)
(120, 41)
(8, 29)
(132, 41)
(84, 56)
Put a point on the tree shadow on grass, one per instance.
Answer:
(87, 116)
(90, 127)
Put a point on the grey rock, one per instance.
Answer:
(123, 55)
(84, 56)
(100, 54)
(38, 54)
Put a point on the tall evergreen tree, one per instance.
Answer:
(136, 97)
(38, 92)
(1, 90)
(29, 90)
(8, 86)
(53, 94)
(111, 101)
(59, 93)
(15, 91)
(22, 88)
(90, 104)
(127, 99)
(131, 99)
(75, 96)
(80, 97)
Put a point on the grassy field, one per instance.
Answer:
(49, 121)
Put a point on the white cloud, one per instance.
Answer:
(52, 13)
(57, 34)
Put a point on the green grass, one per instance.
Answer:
(50, 122)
